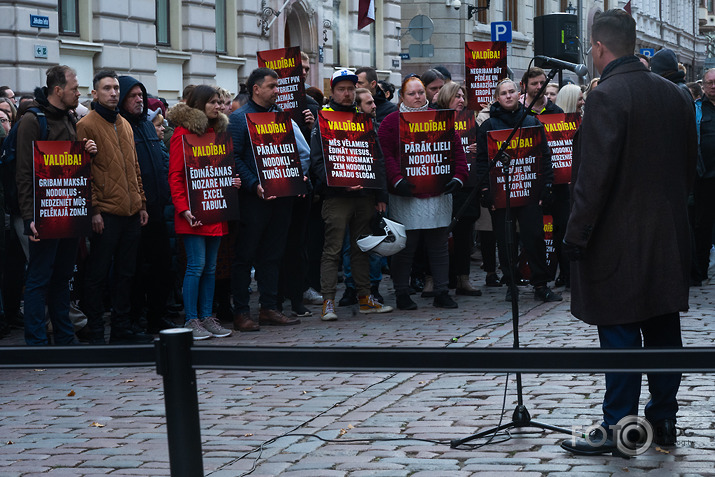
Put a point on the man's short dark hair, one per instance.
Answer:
(532, 72)
(616, 30)
(370, 73)
(3, 91)
(257, 77)
(431, 75)
(445, 72)
(57, 76)
(101, 74)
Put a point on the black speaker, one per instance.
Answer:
(556, 36)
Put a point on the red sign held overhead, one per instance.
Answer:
(291, 87)
(485, 63)
(560, 130)
(276, 154)
(426, 155)
(524, 169)
(209, 177)
(348, 149)
(63, 191)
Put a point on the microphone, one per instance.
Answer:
(580, 70)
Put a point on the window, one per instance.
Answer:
(538, 8)
(482, 15)
(220, 26)
(69, 17)
(512, 13)
(162, 22)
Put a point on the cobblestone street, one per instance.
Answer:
(374, 424)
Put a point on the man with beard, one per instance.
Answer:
(51, 260)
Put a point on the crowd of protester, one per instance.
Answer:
(147, 257)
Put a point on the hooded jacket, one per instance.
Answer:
(116, 178)
(61, 127)
(149, 152)
(188, 120)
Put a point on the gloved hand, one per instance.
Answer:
(485, 199)
(573, 252)
(404, 188)
(547, 196)
(452, 186)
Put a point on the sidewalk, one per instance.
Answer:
(113, 424)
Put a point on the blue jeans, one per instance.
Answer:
(48, 274)
(200, 277)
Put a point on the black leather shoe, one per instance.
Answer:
(665, 433)
(129, 336)
(546, 294)
(404, 302)
(158, 324)
(595, 444)
(349, 297)
(443, 300)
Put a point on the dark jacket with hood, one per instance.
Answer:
(149, 152)
(317, 165)
(61, 127)
(500, 118)
(384, 107)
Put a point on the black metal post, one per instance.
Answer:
(181, 402)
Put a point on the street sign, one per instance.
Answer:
(39, 21)
(40, 51)
(405, 56)
(421, 27)
(422, 50)
(649, 52)
(501, 31)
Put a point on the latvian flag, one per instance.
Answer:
(366, 13)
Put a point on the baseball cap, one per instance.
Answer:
(342, 75)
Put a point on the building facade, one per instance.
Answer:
(659, 24)
(168, 44)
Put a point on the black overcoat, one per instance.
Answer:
(634, 162)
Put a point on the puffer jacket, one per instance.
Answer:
(116, 177)
(188, 120)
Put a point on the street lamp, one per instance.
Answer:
(571, 10)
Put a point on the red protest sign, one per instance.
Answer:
(348, 149)
(291, 88)
(209, 164)
(465, 124)
(560, 130)
(485, 63)
(276, 154)
(524, 173)
(63, 191)
(426, 155)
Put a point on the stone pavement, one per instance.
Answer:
(87, 422)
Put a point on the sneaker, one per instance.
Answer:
(197, 329)
(312, 297)
(213, 326)
(349, 297)
(368, 304)
(546, 294)
(328, 313)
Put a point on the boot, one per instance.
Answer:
(428, 290)
(466, 288)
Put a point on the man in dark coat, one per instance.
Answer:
(367, 78)
(628, 228)
(152, 281)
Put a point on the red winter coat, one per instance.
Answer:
(189, 121)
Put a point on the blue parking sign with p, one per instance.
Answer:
(649, 52)
(501, 31)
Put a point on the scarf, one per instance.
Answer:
(406, 109)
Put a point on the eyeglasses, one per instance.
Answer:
(708, 83)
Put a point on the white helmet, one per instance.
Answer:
(388, 238)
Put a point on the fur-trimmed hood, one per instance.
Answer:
(194, 120)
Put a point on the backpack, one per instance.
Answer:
(9, 145)
(8, 154)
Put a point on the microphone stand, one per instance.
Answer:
(521, 416)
